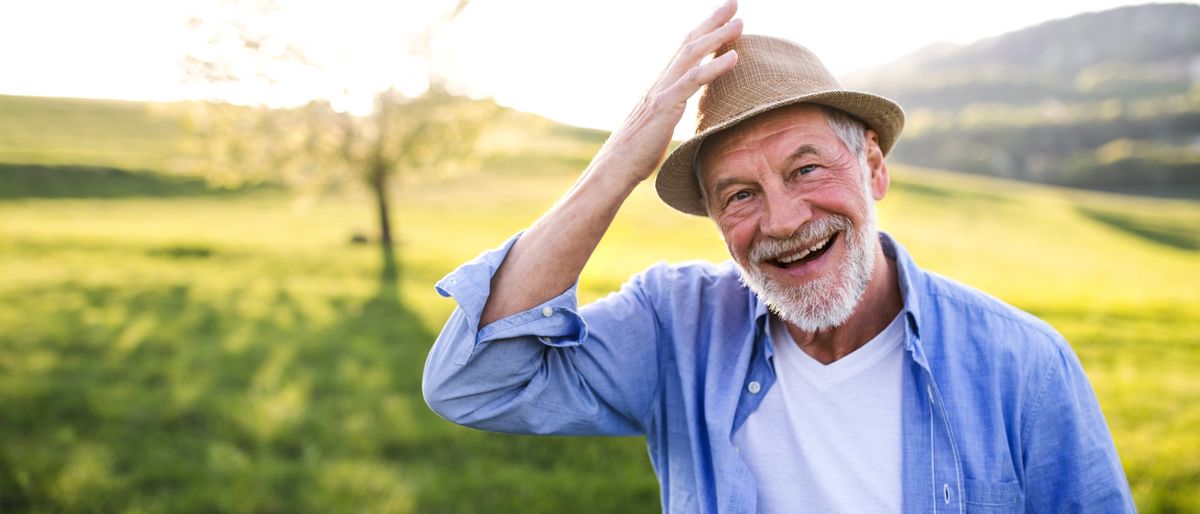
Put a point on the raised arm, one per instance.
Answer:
(550, 255)
(518, 354)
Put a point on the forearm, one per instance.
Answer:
(551, 254)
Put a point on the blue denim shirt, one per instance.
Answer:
(998, 415)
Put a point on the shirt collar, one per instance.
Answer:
(761, 328)
(911, 283)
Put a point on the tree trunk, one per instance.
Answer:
(379, 187)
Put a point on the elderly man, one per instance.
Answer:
(821, 370)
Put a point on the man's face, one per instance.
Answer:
(797, 212)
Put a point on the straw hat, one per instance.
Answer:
(770, 73)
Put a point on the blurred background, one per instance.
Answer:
(221, 222)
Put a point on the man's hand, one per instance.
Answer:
(639, 146)
(549, 256)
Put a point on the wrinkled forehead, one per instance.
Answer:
(752, 134)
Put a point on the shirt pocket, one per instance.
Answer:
(988, 497)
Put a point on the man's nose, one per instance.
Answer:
(785, 213)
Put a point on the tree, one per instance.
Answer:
(314, 146)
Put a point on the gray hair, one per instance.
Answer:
(852, 132)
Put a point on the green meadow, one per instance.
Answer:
(168, 349)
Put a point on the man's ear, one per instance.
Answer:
(879, 179)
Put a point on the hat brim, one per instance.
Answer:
(678, 185)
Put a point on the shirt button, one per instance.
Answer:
(544, 339)
(754, 387)
(946, 492)
(547, 312)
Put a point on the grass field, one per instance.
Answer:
(230, 353)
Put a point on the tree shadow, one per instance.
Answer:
(1156, 229)
(263, 397)
(176, 397)
(12, 494)
(389, 273)
(938, 194)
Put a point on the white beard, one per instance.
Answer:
(828, 301)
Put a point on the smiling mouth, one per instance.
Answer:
(806, 255)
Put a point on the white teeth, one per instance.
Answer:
(793, 258)
(804, 253)
(818, 246)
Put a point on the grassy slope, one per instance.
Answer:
(111, 133)
(234, 354)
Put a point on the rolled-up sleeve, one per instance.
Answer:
(552, 369)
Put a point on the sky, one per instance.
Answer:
(583, 62)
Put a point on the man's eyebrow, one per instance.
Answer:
(804, 149)
(726, 182)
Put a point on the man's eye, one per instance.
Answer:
(739, 196)
(804, 170)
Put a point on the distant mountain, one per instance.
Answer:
(1138, 34)
(1107, 99)
(1062, 59)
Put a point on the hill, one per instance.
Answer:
(1107, 100)
(92, 148)
(77, 131)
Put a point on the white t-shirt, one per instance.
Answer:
(826, 438)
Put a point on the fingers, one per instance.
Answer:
(706, 38)
(709, 71)
(692, 80)
(693, 51)
(718, 18)
(642, 140)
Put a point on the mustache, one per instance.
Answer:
(809, 234)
